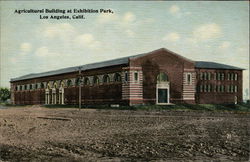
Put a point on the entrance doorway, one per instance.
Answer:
(163, 96)
(162, 89)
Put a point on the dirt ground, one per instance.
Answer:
(42, 134)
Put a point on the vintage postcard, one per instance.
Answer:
(124, 80)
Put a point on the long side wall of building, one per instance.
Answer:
(219, 86)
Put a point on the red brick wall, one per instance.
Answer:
(105, 93)
(219, 97)
(162, 61)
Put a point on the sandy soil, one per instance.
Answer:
(41, 134)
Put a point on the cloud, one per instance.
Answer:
(225, 45)
(207, 31)
(25, 47)
(44, 52)
(171, 37)
(61, 30)
(174, 9)
(129, 17)
(87, 40)
(107, 18)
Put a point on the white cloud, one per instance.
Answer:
(129, 17)
(87, 40)
(207, 31)
(61, 30)
(44, 52)
(225, 45)
(174, 9)
(25, 47)
(171, 37)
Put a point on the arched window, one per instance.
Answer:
(117, 77)
(21, 87)
(106, 79)
(15, 88)
(48, 86)
(42, 85)
(25, 87)
(55, 85)
(162, 77)
(69, 83)
(86, 81)
(36, 86)
(62, 84)
(30, 86)
(96, 80)
(78, 80)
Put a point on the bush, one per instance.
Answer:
(4, 94)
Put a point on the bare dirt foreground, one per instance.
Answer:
(42, 134)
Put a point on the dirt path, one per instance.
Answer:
(41, 134)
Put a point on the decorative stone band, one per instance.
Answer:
(189, 82)
(132, 89)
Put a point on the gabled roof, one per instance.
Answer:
(214, 65)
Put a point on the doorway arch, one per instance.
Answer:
(162, 89)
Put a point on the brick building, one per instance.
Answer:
(157, 77)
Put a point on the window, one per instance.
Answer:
(218, 76)
(205, 76)
(205, 88)
(222, 76)
(106, 79)
(96, 80)
(86, 81)
(189, 78)
(117, 77)
(222, 88)
(201, 76)
(162, 77)
(228, 88)
(78, 80)
(55, 85)
(36, 86)
(25, 87)
(228, 76)
(201, 88)
(235, 76)
(136, 76)
(235, 88)
(126, 76)
(69, 83)
(208, 88)
(42, 85)
(208, 76)
(231, 88)
(15, 88)
(231, 76)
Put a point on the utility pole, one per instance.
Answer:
(80, 91)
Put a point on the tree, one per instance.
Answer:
(4, 94)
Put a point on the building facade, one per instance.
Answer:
(158, 77)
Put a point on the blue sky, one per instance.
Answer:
(209, 31)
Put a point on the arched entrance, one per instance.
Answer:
(162, 89)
